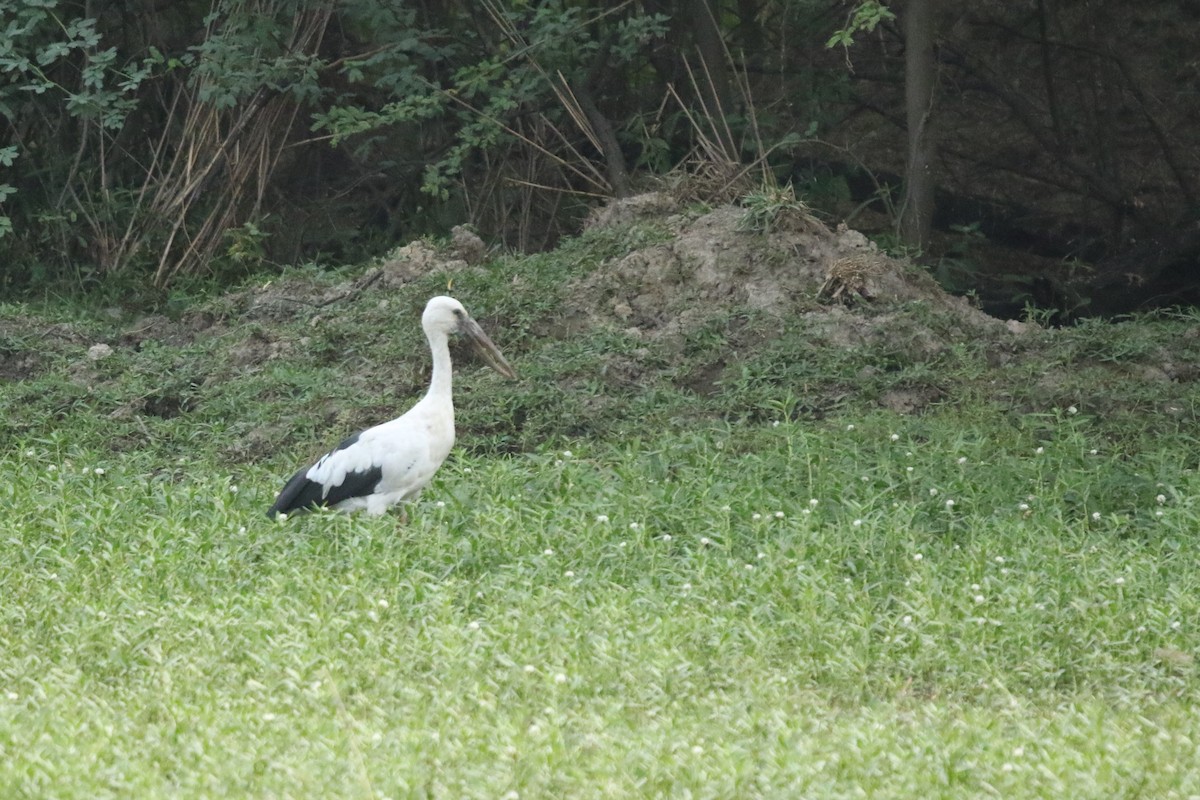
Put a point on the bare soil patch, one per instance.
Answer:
(714, 264)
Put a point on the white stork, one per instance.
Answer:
(394, 461)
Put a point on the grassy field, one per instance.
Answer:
(981, 600)
(887, 607)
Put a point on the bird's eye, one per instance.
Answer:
(458, 312)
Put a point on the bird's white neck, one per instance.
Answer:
(440, 385)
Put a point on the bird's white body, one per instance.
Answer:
(392, 462)
(408, 451)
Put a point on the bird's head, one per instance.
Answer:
(445, 316)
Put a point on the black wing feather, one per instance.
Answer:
(300, 493)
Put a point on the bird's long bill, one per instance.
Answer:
(487, 348)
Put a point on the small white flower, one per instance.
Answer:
(1093, 451)
(949, 504)
(566, 454)
(383, 603)
(756, 516)
(13, 696)
(778, 515)
(933, 492)
(1160, 499)
(1158, 513)
(908, 469)
(466, 470)
(1018, 752)
(726, 509)
(857, 523)
(850, 427)
(1119, 581)
(749, 566)
(473, 625)
(1023, 507)
(558, 462)
(687, 587)
(906, 619)
(704, 540)
(547, 552)
(895, 437)
(602, 518)
(622, 544)
(569, 574)
(1095, 516)
(697, 750)
(761, 556)
(529, 669)
(233, 488)
(29, 453)
(1040, 450)
(560, 678)
(1072, 410)
(979, 598)
(1006, 767)
(241, 529)
(440, 504)
(268, 717)
(962, 459)
(999, 559)
(1176, 625)
(918, 557)
(512, 794)
(775, 424)
(633, 526)
(99, 470)
(666, 537)
(52, 468)
(813, 502)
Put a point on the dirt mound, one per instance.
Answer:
(719, 261)
(789, 267)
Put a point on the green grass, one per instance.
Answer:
(647, 617)
(745, 580)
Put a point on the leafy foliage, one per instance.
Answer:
(865, 18)
(140, 134)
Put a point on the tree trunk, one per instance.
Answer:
(916, 214)
(614, 159)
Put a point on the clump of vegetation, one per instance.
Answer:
(775, 207)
